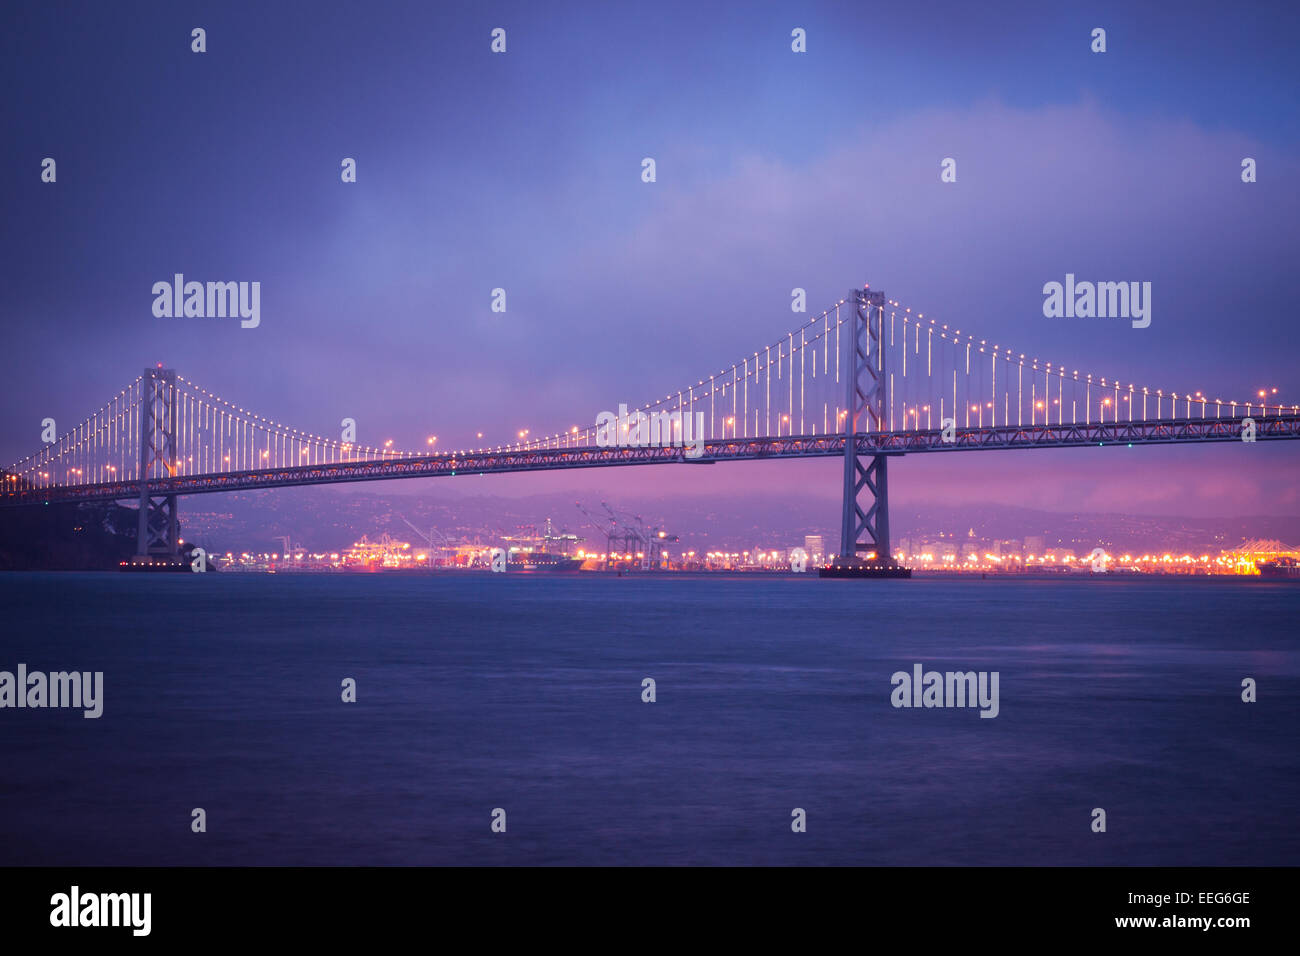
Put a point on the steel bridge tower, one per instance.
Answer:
(156, 537)
(864, 528)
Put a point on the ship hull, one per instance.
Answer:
(543, 564)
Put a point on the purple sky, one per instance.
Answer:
(775, 170)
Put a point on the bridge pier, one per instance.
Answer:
(159, 528)
(158, 532)
(865, 550)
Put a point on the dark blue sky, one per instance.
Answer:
(522, 171)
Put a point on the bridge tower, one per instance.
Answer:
(156, 537)
(864, 528)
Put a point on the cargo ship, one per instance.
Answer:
(545, 553)
(1282, 568)
(542, 561)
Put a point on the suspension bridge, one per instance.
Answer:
(866, 380)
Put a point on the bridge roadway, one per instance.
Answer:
(1164, 432)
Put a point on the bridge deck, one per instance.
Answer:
(1170, 431)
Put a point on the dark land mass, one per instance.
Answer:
(83, 536)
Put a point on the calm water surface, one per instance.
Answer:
(222, 691)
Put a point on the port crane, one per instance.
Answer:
(627, 533)
(596, 525)
(428, 538)
(473, 552)
(632, 536)
(649, 541)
